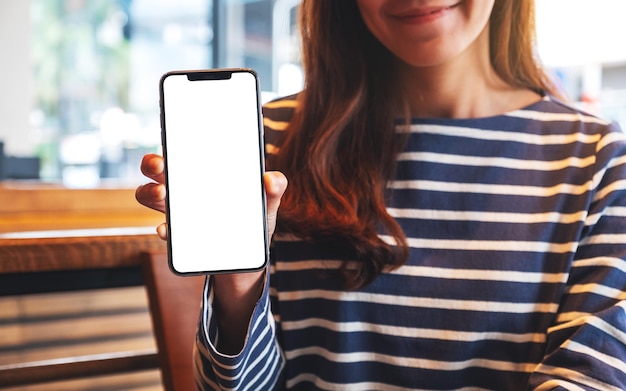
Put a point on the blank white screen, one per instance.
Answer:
(214, 173)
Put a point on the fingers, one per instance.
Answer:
(275, 186)
(162, 231)
(151, 195)
(152, 166)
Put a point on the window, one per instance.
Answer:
(584, 54)
(97, 64)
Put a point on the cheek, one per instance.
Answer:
(369, 18)
(481, 13)
(372, 14)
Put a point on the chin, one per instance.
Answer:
(420, 62)
(426, 58)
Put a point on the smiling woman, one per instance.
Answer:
(443, 220)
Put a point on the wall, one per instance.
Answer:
(577, 32)
(15, 77)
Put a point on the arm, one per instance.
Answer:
(235, 306)
(257, 365)
(586, 347)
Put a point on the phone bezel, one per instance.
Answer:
(202, 75)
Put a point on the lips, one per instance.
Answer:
(422, 14)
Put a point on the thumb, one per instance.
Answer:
(275, 186)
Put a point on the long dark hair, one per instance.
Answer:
(341, 145)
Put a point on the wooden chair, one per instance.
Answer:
(174, 305)
(57, 251)
(175, 309)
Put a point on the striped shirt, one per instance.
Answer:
(516, 277)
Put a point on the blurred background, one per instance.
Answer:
(79, 96)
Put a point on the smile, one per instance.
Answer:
(423, 15)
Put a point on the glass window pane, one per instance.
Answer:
(97, 64)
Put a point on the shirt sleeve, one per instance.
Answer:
(586, 347)
(259, 364)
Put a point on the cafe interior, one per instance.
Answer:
(86, 299)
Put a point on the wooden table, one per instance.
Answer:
(48, 228)
(35, 206)
(40, 251)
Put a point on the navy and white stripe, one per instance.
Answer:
(516, 278)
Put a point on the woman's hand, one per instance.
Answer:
(235, 294)
(152, 195)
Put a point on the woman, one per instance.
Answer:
(449, 224)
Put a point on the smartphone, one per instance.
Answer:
(212, 137)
